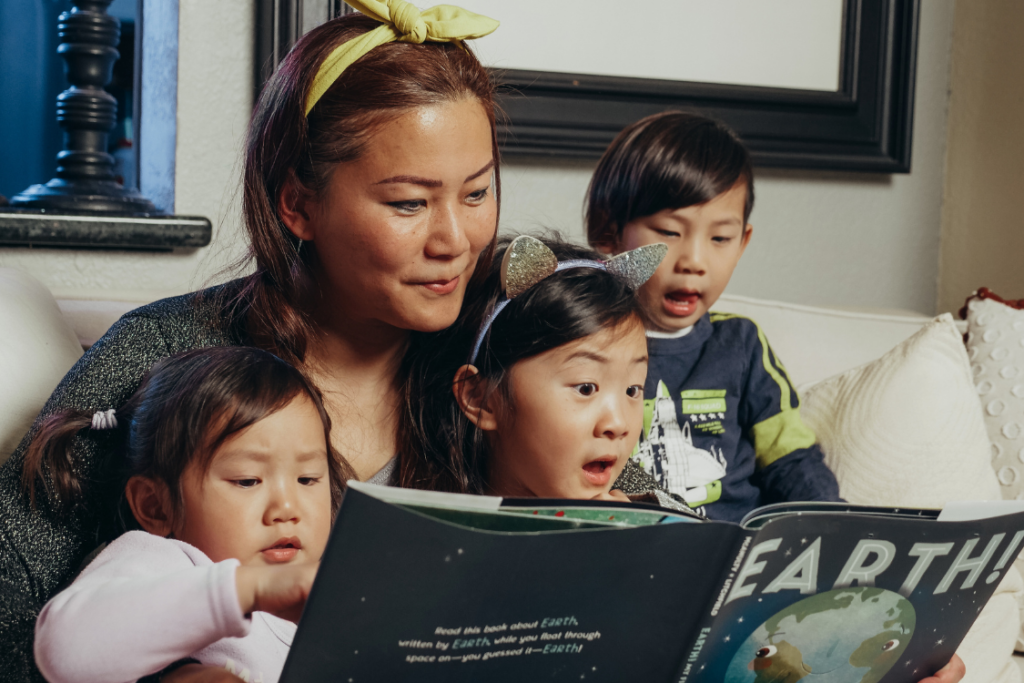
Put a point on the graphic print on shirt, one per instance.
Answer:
(666, 449)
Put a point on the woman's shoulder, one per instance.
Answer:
(113, 367)
(205, 312)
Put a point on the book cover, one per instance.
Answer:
(435, 587)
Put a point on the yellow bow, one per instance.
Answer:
(401, 22)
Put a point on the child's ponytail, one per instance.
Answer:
(49, 459)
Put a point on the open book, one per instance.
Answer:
(422, 586)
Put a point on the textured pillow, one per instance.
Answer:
(907, 430)
(36, 348)
(995, 346)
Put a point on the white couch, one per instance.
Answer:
(43, 337)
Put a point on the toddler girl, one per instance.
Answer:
(233, 482)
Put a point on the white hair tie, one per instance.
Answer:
(104, 419)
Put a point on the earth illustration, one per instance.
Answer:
(848, 635)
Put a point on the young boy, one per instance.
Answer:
(722, 421)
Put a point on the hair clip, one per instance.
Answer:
(528, 261)
(104, 419)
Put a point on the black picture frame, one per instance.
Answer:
(867, 125)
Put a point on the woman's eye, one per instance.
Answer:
(586, 389)
(635, 391)
(665, 233)
(479, 196)
(411, 206)
(721, 240)
(246, 483)
(308, 481)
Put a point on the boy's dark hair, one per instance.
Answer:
(566, 306)
(669, 160)
(186, 407)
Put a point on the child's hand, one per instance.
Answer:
(614, 494)
(951, 673)
(200, 673)
(281, 590)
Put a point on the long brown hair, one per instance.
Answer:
(187, 406)
(285, 145)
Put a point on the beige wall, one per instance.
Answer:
(982, 227)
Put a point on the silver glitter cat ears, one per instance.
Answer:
(527, 261)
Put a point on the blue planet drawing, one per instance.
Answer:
(848, 635)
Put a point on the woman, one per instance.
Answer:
(366, 217)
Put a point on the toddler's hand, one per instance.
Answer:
(280, 590)
(614, 494)
(951, 673)
(200, 673)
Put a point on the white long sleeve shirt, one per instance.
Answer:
(146, 602)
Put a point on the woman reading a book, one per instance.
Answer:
(370, 193)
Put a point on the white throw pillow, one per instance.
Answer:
(907, 430)
(37, 347)
(995, 346)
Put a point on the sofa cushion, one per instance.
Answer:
(906, 429)
(37, 347)
(995, 346)
(815, 343)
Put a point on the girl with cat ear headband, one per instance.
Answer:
(551, 403)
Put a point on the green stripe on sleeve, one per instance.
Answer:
(772, 371)
(780, 435)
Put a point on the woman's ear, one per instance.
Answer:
(469, 389)
(295, 207)
(150, 502)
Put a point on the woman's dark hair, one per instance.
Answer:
(187, 406)
(566, 306)
(284, 145)
(669, 160)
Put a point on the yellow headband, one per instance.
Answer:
(401, 22)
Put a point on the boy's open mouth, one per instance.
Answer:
(284, 550)
(599, 471)
(681, 303)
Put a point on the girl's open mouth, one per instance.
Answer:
(681, 303)
(284, 550)
(599, 472)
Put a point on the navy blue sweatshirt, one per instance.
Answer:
(722, 422)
